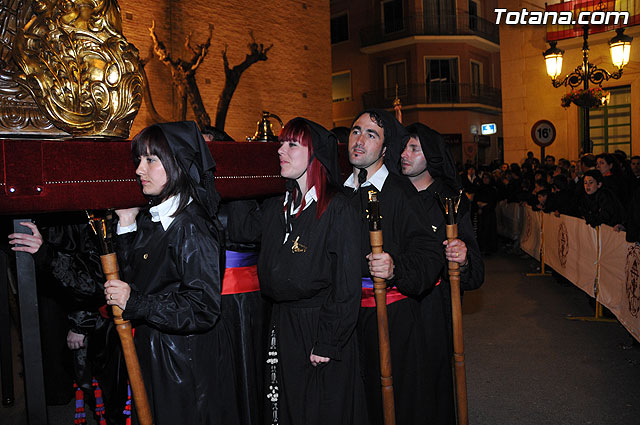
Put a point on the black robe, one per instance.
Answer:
(247, 316)
(316, 293)
(435, 306)
(183, 347)
(418, 258)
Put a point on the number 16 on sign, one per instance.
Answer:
(543, 134)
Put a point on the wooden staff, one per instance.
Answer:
(450, 206)
(380, 291)
(110, 269)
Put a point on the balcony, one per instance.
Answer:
(435, 94)
(460, 24)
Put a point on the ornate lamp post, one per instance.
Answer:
(620, 46)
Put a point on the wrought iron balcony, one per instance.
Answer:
(434, 93)
(459, 24)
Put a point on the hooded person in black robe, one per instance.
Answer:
(307, 250)
(170, 259)
(412, 259)
(427, 162)
(306, 269)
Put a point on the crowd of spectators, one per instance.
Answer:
(601, 189)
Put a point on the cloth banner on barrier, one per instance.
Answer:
(619, 283)
(508, 217)
(570, 249)
(530, 238)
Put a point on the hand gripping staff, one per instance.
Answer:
(110, 269)
(450, 207)
(380, 290)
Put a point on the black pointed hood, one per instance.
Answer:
(194, 158)
(325, 149)
(440, 163)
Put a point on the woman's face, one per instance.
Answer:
(294, 159)
(591, 185)
(602, 166)
(152, 175)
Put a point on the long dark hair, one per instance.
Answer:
(151, 141)
(298, 130)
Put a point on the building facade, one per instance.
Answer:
(441, 58)
(294, 81)
(528, 95)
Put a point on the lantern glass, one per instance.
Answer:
(554, 65)
(620, 53)
(620, 47)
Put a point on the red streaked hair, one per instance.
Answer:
(298, 130)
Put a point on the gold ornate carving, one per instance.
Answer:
(19, 114)
(78, 66)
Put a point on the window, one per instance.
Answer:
(441, 80)
(439, 16)
(341, 86)
(476, 78)
(339, 28)
(395, 75)
(392, 16)
(610, 125)
(473, 15)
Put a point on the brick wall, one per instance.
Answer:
(294, 81)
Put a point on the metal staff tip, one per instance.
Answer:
(99, 227)
(450, 207)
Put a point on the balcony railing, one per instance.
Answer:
(459, 24)
(434, 93)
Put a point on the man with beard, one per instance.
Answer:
(410, 264)
(428, 164)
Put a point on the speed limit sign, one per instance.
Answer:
(543, 133)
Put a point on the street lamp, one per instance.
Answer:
(620, 46)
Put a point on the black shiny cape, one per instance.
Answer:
(183, 347)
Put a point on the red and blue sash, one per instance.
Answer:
(241, 273)
(369, 298)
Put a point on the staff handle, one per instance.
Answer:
(110, 268)
(386, 379)
(458, 341)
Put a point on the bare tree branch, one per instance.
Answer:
(257, 52)
(183, 74)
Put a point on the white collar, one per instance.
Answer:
(377, 180)
(310, 196)
(163, 211)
